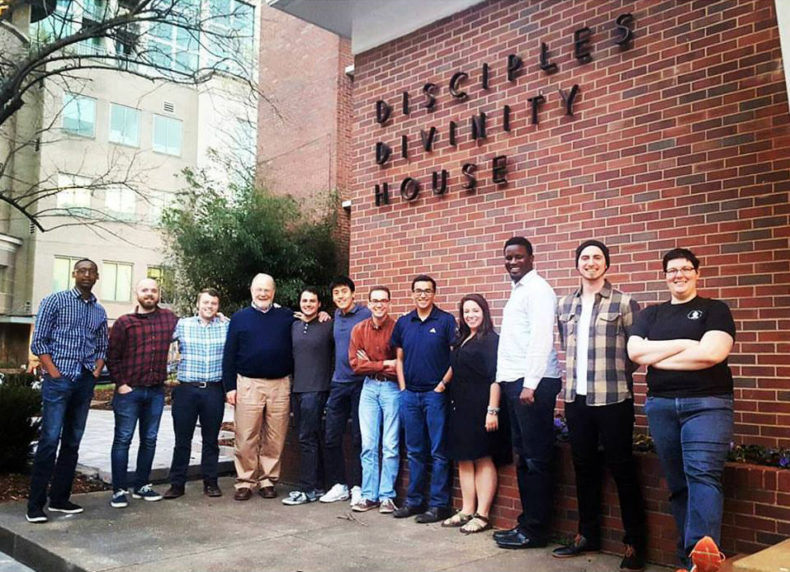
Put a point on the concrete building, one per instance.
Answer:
(109, 151)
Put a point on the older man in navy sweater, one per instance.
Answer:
(257, 361)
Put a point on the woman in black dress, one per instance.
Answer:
(475, 438)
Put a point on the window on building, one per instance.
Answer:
(167, 135)
(164, 277)
(158, 201)
(231, 46)
(124, 125)
(176, 46)
(61, 273)
(116, 281)
(120, 202)
(79, 114)
(74, 195)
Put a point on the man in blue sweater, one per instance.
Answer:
(257, 360)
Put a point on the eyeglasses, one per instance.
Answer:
(420, 292)
(686, 270)
(375, 302)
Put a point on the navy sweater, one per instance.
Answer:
(258, 345)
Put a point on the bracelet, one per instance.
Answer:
(492, 410)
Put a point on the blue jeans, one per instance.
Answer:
(144, 404)
(424, 419)
(190, 403)
(308, 408)
(65, 405)
(379, 407)
(343, 403)
(692, 437)
(532, 428)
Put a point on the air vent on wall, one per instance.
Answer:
(168, 107)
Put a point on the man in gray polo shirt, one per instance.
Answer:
(313, 348)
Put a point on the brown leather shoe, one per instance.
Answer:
(268, 492)
(243, 493)
(173, 492)
(212, 491)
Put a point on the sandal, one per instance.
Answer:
(477, 524)
(458, 519)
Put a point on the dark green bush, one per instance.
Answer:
(19, 403)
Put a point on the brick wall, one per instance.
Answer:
(681, 140)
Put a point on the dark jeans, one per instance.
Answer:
(612, 426)
(532, 427)
(144, 404)
(65, 405)
(190, 403)
(308, 408)
(424, 420)
(692, 437)
(343, 403)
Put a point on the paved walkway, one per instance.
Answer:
(202, 534)
(97, 441)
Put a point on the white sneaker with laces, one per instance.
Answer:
(356, 495)
(338, 492)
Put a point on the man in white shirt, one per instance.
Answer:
(529, 375)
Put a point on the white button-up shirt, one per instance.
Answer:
(526, 341)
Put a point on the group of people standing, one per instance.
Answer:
(458, 390)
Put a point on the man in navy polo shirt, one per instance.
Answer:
(422, 340)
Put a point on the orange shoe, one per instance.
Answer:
(706, 556)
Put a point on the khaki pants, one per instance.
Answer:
(262, 410)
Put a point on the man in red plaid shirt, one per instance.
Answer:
(137, 360)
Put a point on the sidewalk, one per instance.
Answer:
(195, 533)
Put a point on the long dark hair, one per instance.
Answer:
(463, 329)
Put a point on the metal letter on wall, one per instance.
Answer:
(383, 111)
(409, 189)
(429, 89)
(624, 35)
(439, 189)
(383, 152)
(427, 139)
(499, 169)
(581, 45)
(455, 85)
(382, 195)
(545, 65)
(479, 126)
(506, 118)
(514, 64)
(468, 171)
(485, 76)
(404, 147)
(453, 127)
(569, 98)
(534, 103)
(405, 103)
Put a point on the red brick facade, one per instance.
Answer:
(681, 140)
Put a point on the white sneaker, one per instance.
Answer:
(356, 495)
(338, 492)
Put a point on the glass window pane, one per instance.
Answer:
(123, 287)
(79, 114)
(61, 274)
(124, 125)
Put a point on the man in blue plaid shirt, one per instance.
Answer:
(199, 393)
(70, 339)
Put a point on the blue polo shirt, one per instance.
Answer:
(426, 347)
(344, 323)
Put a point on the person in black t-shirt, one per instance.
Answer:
(685, 343)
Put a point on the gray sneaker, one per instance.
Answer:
(300, 497)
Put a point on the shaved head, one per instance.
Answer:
(147, 292)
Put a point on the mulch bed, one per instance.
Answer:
(15, 486)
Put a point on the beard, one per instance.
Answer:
(147, 303)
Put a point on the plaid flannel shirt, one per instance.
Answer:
(201, 347)
(72, 331)
(139, 345)
(609, 370)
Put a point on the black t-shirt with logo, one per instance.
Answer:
(690, 320)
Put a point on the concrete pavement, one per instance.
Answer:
(195, 533)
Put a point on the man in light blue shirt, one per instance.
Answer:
(199, 393)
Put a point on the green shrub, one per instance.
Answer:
(19, 403)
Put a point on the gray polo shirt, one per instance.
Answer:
(313, 348)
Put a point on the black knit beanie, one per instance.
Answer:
(593, 242)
